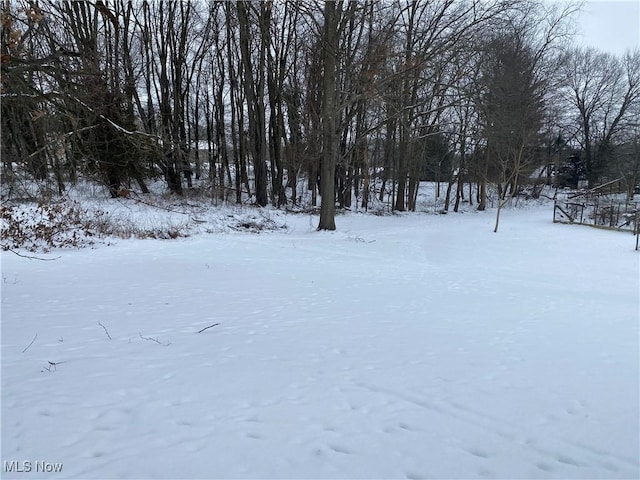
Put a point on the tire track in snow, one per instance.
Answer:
(596, 458)
(463, 415)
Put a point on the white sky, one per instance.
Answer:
(610, 25)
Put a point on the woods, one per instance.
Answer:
(257, 239)
(283, 103)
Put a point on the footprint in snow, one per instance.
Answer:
(610, 466)
(414, 476)
(545, 467)
(104, 428)
(476, 452)
(568, 460)
(251, 419)
(577, 407)
(406, 427)
(340, 449)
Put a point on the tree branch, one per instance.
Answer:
(27, 347)
(205, 328)
(29, 256)
(105, 330)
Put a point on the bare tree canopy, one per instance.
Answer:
(285, 103)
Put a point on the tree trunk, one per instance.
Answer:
(329, 144)
(254, 92)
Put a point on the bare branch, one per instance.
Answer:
(205, 328)
(154, 340)
(105, 330)
(29, 256)
(27, 347)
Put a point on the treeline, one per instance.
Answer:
(356, 99)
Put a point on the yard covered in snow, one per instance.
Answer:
(401, 346)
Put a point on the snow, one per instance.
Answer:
(400, 346)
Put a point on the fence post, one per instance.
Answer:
(637, 228)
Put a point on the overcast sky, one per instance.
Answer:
(611, 25)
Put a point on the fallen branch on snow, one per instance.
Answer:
(205, 328)
(27, 347)
(154, 340)
(53, 365)
(29, 256)
(105, 330)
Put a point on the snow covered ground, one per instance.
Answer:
(402, 346)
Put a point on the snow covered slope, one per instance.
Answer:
(406, 346)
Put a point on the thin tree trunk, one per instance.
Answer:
(330, 151)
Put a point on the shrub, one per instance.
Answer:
(43, 227)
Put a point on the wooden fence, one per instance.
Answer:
(600, 213)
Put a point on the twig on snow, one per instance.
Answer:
(215, 324)
(53, 365)
(27, 347)
(154, 340)
(105, 330)
(30, 257)
(149, 338)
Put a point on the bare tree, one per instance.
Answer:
(254, 88)
(358, 97)
(602, 90)
(332, 14)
